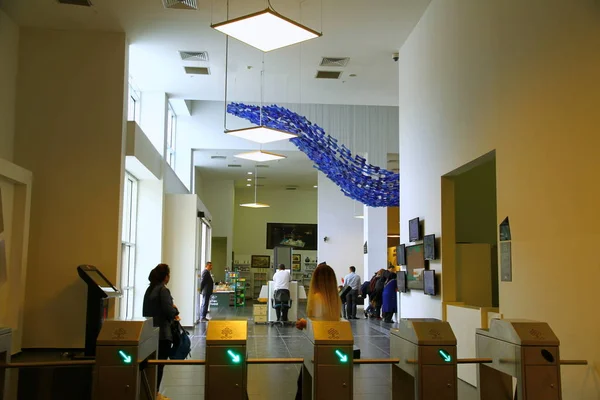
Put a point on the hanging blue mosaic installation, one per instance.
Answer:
(369, 184)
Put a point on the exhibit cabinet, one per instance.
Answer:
(186, 248)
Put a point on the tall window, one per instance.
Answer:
(133, 105)
(128, 245)
(171, 131)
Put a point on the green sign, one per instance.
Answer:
(235, 358)
(126, 358)
(343, 357)
(445, 355)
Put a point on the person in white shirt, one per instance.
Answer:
(281, 294)
(353, 281)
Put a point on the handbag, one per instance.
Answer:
(182, 344)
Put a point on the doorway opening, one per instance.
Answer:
(469, 238)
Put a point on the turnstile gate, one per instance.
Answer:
(426, 349)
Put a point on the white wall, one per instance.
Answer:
(149, 236)
(219, 197)
(9, 56)
(172, 182)
(336, 221)
(179, 251)
(250, 225)
(521, 78)
(153, 118)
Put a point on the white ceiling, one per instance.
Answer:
(366, 31)
(296, 169)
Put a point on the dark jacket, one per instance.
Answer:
(158, 304)
(206, 283)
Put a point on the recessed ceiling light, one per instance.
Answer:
(359, 216)
(248, 184)
(261, 134)
(260, 156)
(266, 30)
(250, 173)
(315, 186)
(255, 205)
(249, 179)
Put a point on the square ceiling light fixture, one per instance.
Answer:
(266, 30)
(260, 156)
(261, 134)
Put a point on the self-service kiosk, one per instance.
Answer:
(99, 292)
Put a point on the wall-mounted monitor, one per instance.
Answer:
(401, 255)
(429, 282)
(414, 230)
(415, 265)
(429, 244)
(297, 236)
(402, 286)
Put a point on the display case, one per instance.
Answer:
(259, 279)
(238, 285)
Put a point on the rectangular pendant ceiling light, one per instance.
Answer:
(255, 205)
(266, 30)
(260, 156)
(261, 134)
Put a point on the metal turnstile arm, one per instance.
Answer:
(175, 362)
(275, 361)
(573, 362)
(474, 361)
(48, 364)
(377, 361)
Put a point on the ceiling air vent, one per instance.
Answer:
(218, 157)
(181, 4)
(234, 166)
(290, 188)
(259, 185)
(86, 3)
(334, 61)
(261, 166)
(328, 74)
(193, 55)
(260, 177)
(197, 70)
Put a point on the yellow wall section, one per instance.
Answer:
(520, 77)
(9, 55)
(250, 225)
(70, 134)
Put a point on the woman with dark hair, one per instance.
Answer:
(389, 298)
(158, 304)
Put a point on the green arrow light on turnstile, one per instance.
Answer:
(343, 357)
(445, 355)
(235, 358)
(126, 358)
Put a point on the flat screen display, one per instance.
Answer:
(99, 280)
(402, 281)
(429, 281)
(415, 265)
(429, 243)
(414, 230)
(297, 236)
(401, 255)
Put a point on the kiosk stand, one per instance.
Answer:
(99, 292)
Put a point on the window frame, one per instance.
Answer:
(128, 246)
(171, 136)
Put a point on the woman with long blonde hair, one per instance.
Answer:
(323, 303)
(323, 299)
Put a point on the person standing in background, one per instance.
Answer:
(281, 293)
(158, 304)
(206, 288)
(390, 298)
(353, 281)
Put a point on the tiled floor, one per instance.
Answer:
(279, 381)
